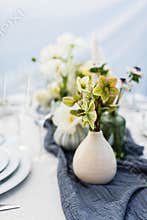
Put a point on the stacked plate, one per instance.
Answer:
(15, 166)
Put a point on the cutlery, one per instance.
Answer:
(6, 207)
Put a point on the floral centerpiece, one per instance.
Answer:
(97, 93)
(94, 160)
(98, 98)
(86, 86)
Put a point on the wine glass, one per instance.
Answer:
(34, 112)
(3, 102)
(16, 98)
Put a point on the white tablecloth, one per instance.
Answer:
(38, 195)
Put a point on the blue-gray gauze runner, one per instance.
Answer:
(125, 198)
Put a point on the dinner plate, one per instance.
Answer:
(14, 161)
(19, 176)
(4, 159)
(2, 139)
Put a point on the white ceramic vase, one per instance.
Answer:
(94, 160)
(70, 141)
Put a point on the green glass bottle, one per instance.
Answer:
(113, 126)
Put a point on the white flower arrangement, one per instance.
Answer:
(58, 64)
(55, 59)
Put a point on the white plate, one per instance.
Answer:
(14, 160)
(2, 139)
(4, 159)
(19, 175)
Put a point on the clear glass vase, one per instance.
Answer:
(113, 126)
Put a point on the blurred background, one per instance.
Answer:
(27, 26)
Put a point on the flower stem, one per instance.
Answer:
(63, 91)
(98, 112)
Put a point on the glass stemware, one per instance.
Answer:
(39, 120)
(38, 115)
(15, 102)
(3, 102)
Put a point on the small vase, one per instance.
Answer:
(113, 126)
(70, 141)
(94, 160)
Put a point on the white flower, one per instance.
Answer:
(54, 89)
(64, 120)
(49, 52)
(43, 97)
(136, 71)
(53, 68)
(62, 48)
(68, 41)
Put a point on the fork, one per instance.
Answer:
(6, 207)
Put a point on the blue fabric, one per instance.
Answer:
(125, 198)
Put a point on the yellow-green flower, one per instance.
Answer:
(83, 84)
(90, 115)
(106, 88)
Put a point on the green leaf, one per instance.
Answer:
(94, 69)
(135, 78)
(34, 59)
(97, 91)
(91, 106)
(77, 96)
(110, 101)
(112, 82)
(101, 71)
(114, 91)
(78, 112)
(104, 96)
(69, 101)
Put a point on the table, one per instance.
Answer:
(38, 195)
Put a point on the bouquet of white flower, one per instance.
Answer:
(59, 65)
